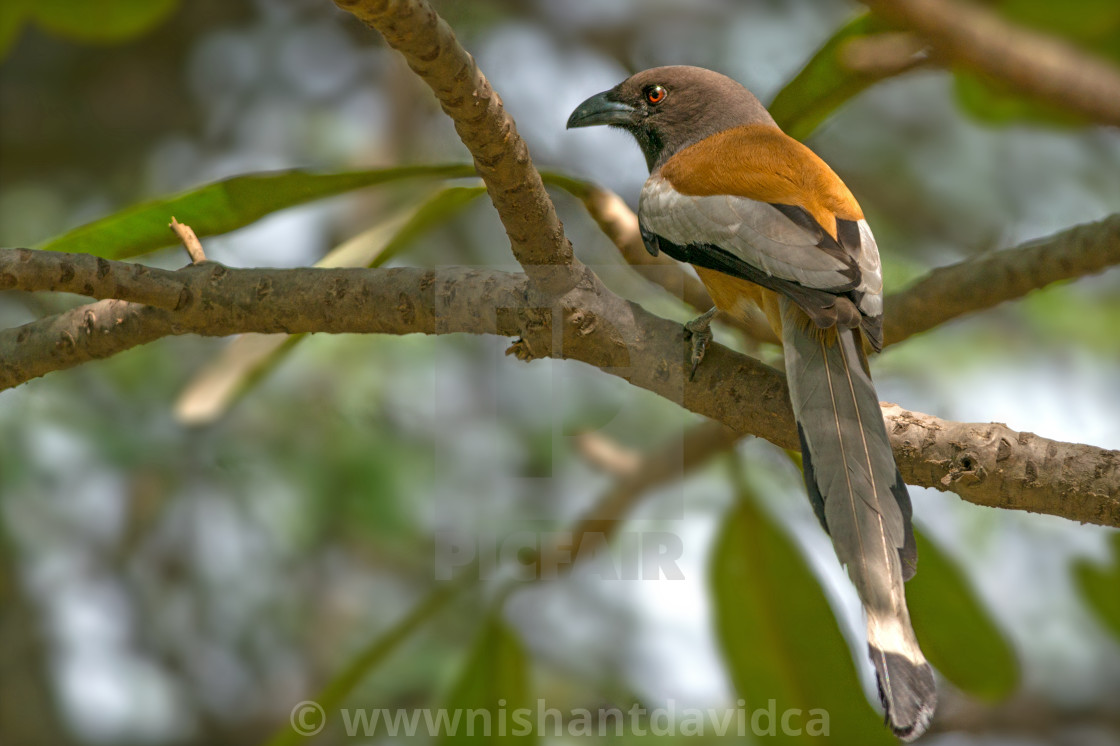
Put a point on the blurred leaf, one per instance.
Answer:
(1067, 312)
(956, 632)
(250, 357)
(778, 634)
(226, 205)
(578, 188)
(825, 82)
(225, 379)
(496, 676)
(369, 658)
(13, 14)
(1100, 587)
(1095, 24)
(995, 103)
(102, 21)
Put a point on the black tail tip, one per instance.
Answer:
(907, 691)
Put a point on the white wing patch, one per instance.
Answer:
(871, 273)
(755, 232)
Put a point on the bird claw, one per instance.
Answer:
(700, 333)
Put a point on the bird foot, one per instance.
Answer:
(700, 333)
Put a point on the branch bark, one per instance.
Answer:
(1036, 64)
(986, 281)
(984, 463)
(429, 47)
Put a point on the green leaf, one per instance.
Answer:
(250, 357)
(995, 103)
(1093, 24)
(825, 83)
(1101, 587)
(368, 659)
(226, 205)
(13, 15)
(493, 684)
(954, 629)
(779, 636)
(101, 21)
(578, 188)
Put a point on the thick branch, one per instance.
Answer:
(989, 280)
(986, 464)
(25, 269)
(213, 300)
(1034, 63)
(429, 46)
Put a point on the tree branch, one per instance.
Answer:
(429, 46)
(214, 300)
(983, 463)
(986, 281)
(92, 276)
(1034, 63)
(987, 463)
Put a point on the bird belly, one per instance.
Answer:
(735, 297)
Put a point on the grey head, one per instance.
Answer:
(669, 108)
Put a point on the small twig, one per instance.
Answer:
(189, 239)
(984, 281)
(885, 54)
(607, 454)
(663, 465)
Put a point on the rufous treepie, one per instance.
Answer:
(765, 221)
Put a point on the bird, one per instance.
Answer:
(767, 224)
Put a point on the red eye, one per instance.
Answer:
(656, 94)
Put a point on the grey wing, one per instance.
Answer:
(756, 232)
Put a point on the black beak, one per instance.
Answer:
(600, 109)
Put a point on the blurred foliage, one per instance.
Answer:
(366, 661)
(494, 682)
(99, 22)
(956, 632)
(1101, 587)
(779, 636)
(826, 82)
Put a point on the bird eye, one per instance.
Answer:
(656, 94)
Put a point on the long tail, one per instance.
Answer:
(861, 500)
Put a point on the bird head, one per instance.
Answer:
(667, 109)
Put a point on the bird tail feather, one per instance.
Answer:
(861, 500)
